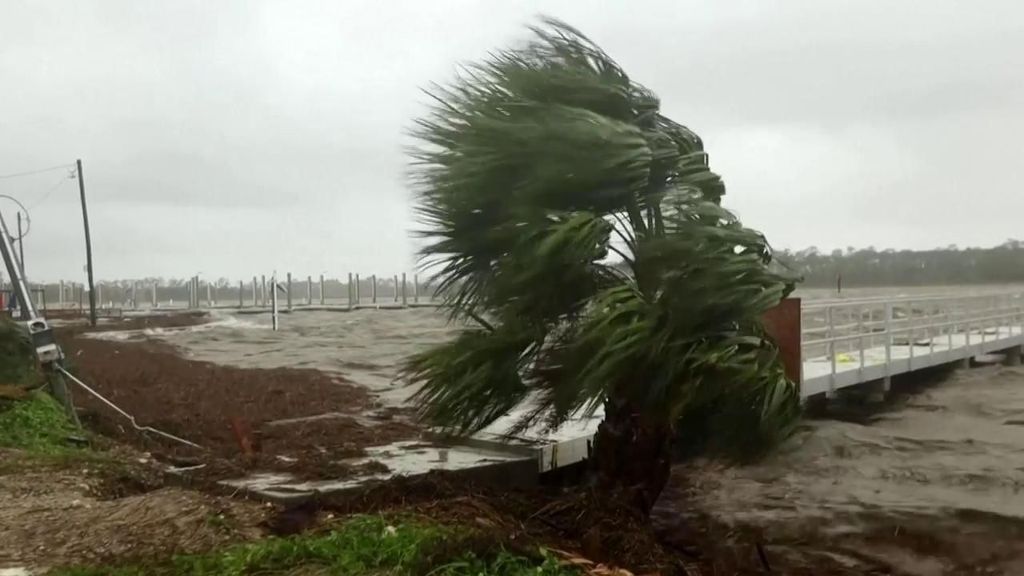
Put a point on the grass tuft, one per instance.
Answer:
(37, 424)
(362, 546)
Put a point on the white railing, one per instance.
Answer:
(857, 332)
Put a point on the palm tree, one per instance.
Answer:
(578, 233)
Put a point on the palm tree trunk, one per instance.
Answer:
(631, 456)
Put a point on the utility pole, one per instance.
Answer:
(88, 245)
(21, 245)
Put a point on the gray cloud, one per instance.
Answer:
(234, 138)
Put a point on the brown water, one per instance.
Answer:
(944, 465)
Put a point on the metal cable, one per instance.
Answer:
(128, 416)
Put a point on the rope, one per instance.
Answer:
(128, 416)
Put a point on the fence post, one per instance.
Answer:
(373, 288)
(241, 294)
(323, 297)
(416, 288)
(263, 290)
(349, 285)
(309, 290)
(396, 287)
(358, 299)
(99, 294)
(404, 298)
(289, 291)
(255, 302)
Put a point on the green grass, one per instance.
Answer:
(362, 546)
(37, 424)
(17, 356)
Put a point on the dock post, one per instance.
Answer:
(416, 288)
(356, 293)
(323, 297)
(349, 285)
(1013, 356)
(209, 294)
(405, 301)
(273, 302)
(255, 302)
(263, 290)
(396, 287)
(887, 382)
(241, 294)
(289, 291)
(309, 290)
(373, 288)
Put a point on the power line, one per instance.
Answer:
(31, 172)
(47, 194)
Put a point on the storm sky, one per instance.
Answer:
(234, 138)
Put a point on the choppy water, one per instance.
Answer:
(365, 346)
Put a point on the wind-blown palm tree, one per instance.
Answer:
(579, 232)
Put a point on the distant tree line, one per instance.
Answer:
(870, 267)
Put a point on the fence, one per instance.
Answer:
(354, 291)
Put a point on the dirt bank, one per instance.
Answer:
(53, 515)
(247, 418)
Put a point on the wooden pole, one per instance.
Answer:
(289, 291)
(309, 290)
(373, 288)
(396, 287)
(404, 298)
(323, 297)
(241, 294)
(357, 290)
(415, 287)
(88, 244)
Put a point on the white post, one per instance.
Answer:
(373, 288)
(152, 295)
(323, 297)
(273, 302)
(404, 298)
(349, 285)
(99, 294)
(309, 290)
(831, 352)
(289, 291)
(255, 302)
(887, 383)
(209, 296)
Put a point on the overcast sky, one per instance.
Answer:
(233, 138)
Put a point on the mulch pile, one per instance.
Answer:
(225, 409)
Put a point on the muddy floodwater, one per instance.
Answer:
(927, 484)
